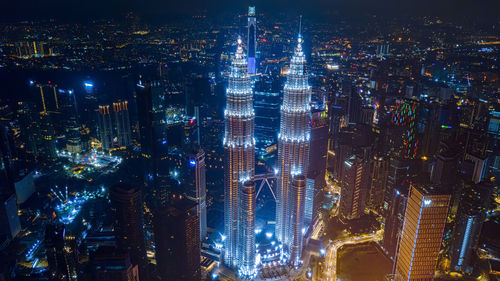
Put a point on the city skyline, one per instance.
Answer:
(308, 140)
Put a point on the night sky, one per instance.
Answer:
(165, 10)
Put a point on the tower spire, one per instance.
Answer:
(300, 26)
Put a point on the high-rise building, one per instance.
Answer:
(297, 204)
(105, 127)
(310, 208)
(197, 187)
(152, 134)
(111, 263)
(246, 230)
(394, 219)
(318, 148)
(468, 223)
(252, 40)
(293, 139)
(379, 183)
(425, 218)
(267, 119)
(239, 148)
(47, 140)
(405, 115)
(144, 100)
(177, 236)
(48, 102)
(62, 253)
(355, 187)
(10, 224)
(397, 179)
(69, 115)
(29, 131)
(122, 123)
(446, 169)
(126, 202)
(116, 127)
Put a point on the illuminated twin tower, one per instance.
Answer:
(239, 167)
(293, 156)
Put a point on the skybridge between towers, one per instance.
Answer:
(266, 179)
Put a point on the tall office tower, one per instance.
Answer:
(267, 119)
(62, 253)
(297, 204)
(239, 148)
(446, 169)
(379, 183)
(122, 123)
(355, 187)
(252, 40)
(429, 123)
(397, 179)
(177, 237)
(7, 153)
(424, 222)
(47, 139)
(48, 102)
(29, 130)
(394, 219)
(310, 206)
(468, 224)
(318, 148)
(105, 127)
(293, 139)
(126, 203)
(404, 115)
(111, 263)
(197, 187)
(73, 139)
(69, 116)
(246, 230)
(152, 134)
(144, 102)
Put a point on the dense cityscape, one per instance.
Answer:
(250, 144)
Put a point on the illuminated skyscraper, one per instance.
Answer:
(62, 253)
(239, 148)
(197, 187)
(105, 127)
(423, 226)
(122, 123)
(297, 204)
(252, 40)
(468, 223)
(355, 187)
(48, 102)
(246, 230)
(293, 139)
(405, 114)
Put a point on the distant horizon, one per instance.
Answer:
(168, 10)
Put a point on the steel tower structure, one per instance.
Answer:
(293, 139)
(239, 149)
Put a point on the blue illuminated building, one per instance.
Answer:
(468, 224)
